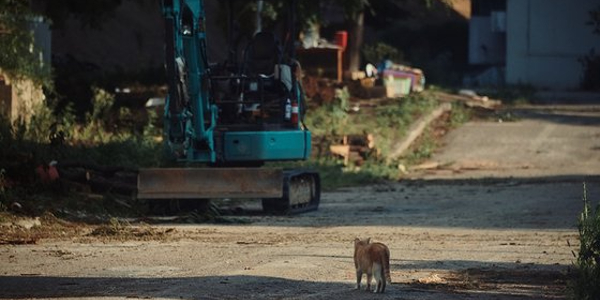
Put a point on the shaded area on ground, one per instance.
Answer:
(484, 283)
(571, 115)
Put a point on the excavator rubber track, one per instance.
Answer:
(301, 193)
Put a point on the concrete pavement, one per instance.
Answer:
(536, 141)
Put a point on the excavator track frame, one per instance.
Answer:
(301, 193)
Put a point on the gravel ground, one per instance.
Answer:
(489, 224)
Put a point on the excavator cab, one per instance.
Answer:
(232, 116)
(262, 91)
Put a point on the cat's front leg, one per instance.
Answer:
(369, 279)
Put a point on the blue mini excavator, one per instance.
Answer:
(232, 117)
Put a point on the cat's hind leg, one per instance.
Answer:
(379, 279)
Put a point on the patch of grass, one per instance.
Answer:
(334, 174)
(392, 121)
(586, 284)
(459, 115)
(424, 148)
(388, 121)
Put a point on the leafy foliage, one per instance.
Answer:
(46, 137)
(459, 115)
(18, 57)
(587, 283)
(376, 53)
(331, 118)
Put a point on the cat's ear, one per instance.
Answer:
(356, 241)
(368, 240)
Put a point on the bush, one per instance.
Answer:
(586, 284)
(46, 137)
(376, 53)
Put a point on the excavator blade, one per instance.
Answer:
(207, 183)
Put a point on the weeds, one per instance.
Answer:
(27, 145)
(387, 122)
(424, 149)
(586, 284)
(335, 175)
(459, 115)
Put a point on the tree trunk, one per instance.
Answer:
(355, 42)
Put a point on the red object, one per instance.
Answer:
(47, 174)
(341, 39)
(295, 110)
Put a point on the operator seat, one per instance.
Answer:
(264, 86)
(263, 54)
(264, 59)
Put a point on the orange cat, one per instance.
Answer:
(373, 259)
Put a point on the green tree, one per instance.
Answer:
(354, 13)
(18, 57)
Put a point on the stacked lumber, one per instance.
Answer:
(354, 149)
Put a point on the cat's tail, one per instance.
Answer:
(386, 266)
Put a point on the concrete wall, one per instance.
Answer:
(18, 98)
(545, 39)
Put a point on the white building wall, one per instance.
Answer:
(546, 39)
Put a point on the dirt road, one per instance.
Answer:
(450, 237)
